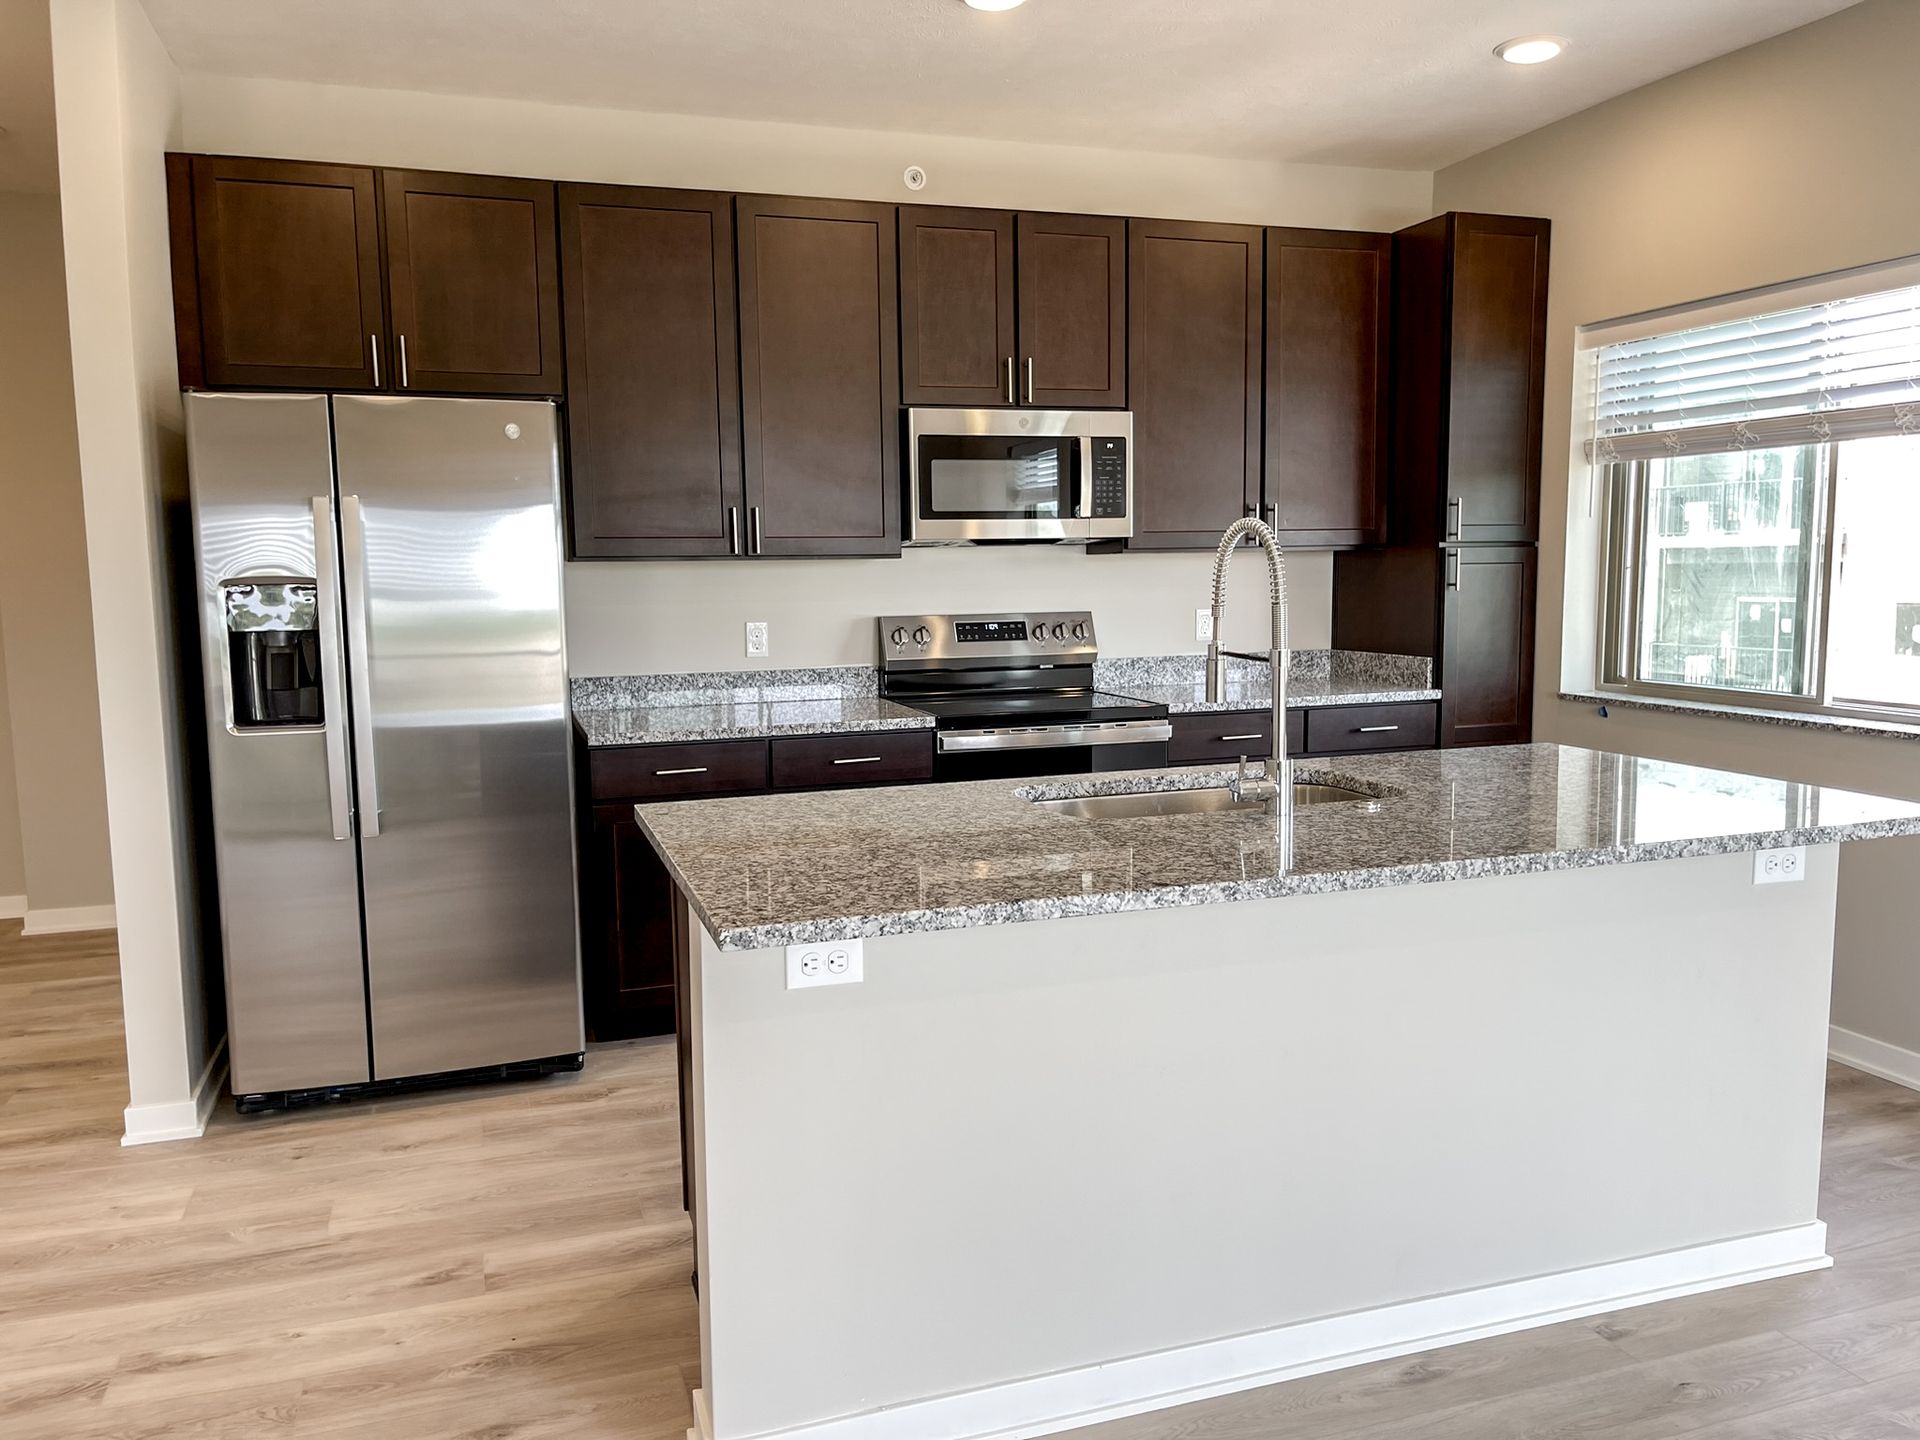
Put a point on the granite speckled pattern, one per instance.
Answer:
(1314, 678)
(735, 705)
(786, 869)
(1796, 719)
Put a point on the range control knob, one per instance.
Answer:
(899, 635)
(1059, 631)
(1080, 630)
(1037, 629)
(922, 636)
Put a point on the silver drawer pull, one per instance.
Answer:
(1375, 729)
(858, 760)
(1259, 735)
(687, 770)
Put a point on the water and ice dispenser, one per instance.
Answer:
(273, 649)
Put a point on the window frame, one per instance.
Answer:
(1624, 488)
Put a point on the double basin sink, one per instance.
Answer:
(1206, 801)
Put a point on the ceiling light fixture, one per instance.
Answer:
(1527, 50)
(995, 4)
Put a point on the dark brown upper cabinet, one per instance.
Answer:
(473, 282)
(1005, 309)
(1326, 389)
(1470, 307)
(1073, 311)
(1193, 340)
(819, 376)
(957, 343)
(653, 374)
(276, 273)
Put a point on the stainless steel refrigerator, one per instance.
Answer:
(388, 740)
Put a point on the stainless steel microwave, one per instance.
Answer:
(1061, 475)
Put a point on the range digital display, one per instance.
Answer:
(973, 632)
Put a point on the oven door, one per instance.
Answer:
(995, 475)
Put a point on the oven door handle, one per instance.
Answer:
(1057, 737)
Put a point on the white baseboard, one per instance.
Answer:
(179, 1119)
(12, 907)
(73, 917)
(1876, 1057)
(1068, 1399)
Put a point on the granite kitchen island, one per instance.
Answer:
(1122, 1116)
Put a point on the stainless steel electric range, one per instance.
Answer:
(1013, 694)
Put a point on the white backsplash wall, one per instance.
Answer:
(629, 617)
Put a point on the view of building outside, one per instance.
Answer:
(1729, 554)
(1873, 633)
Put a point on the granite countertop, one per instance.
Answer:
(785, 869)
(1315, 677)
(745, 705)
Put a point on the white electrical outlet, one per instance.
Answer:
(833, 962)
(757, 647)
(1780, 867)
(1203, 626)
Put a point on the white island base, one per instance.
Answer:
(1028, 1177)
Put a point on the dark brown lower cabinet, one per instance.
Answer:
(1222, 737)
(628, 930)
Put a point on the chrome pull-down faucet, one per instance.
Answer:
(1276, 788)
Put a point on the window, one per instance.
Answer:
(1762, 479)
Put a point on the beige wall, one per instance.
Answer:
(117, 109)
(1681, 191)
(13, 860)
(44, 612)
(664, 615)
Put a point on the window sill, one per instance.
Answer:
(1798, 719)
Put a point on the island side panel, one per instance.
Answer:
(1022, 1149)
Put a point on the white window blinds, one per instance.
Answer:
(1843, 369)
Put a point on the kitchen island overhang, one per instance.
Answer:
(1029, 1176)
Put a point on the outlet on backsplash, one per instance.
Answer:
(757, 647)
(1203, 625)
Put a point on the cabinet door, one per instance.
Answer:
(1073, 311)
(653, 379)
(1327, 295)
(1486, 645)
(628, 930)
(956, 306)
(286, 259)
(1496, 369)
(819, 376)
(1193, 341)
(473, 277)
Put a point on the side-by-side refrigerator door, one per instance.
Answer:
(272, 644)
(450, 538)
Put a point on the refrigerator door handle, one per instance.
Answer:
(333, 679)
(353, 549)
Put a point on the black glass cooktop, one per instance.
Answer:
(1031, 707)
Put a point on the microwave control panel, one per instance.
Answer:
(1109, 477)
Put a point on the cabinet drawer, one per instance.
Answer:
(1227, 735)
(1345, 729)
(710, 767)
(805, 762)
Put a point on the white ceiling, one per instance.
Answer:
(27, 157)
(1399, 83)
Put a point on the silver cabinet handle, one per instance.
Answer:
(403, 362)
(733, 529)
(858, 760)
(373, 348)
(684, 770)
(1453, 570)
(1272, 512)
(753, 530)
(1374, 729)
(1456, 517)
(353, 549)
(333, 679)
(1029, 379)
(1257, 735)
(1010, 379)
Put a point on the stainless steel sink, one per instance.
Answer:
(1186, 802)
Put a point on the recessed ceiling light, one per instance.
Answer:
(1527, 50)
(995, 4)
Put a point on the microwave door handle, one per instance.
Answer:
(1083, 478)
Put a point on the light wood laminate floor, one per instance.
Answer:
(512, 1262)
